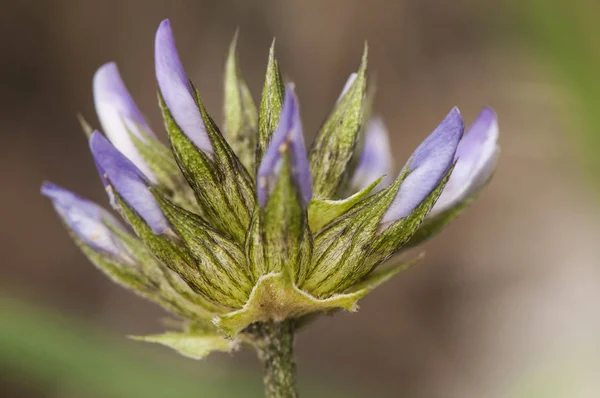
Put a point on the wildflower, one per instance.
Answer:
(244, 233)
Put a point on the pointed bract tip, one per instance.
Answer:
(365, 57)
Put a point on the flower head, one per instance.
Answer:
(258, 228)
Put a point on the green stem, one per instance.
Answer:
(274, 344)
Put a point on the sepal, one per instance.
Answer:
(394, 236)
(322, 211)
(220, 262)
(241, 115)
(271, 103)
(332, 152)
(175, 294)
(283, 190)
(279, 239)
(176, 257)
(341, 248)
(222, 185)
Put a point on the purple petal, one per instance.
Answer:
(287, 135)
(85, 219)
(128, 181)
(375, 159)
(476, 158)
(176, 89)
(347, 86)
(427, 166)
(119, 114)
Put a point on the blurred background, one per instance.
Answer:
(507, 301)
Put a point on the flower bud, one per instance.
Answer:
(178, 93)
(375, 159)
(475, 160)
(87, 221)
(128, 182)
(427, 167)
(120, 116)
(287, 139)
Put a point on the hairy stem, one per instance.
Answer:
(274, 343)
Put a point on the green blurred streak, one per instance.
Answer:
(49, 350)
(568, 33)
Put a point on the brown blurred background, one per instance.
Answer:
(508, 295)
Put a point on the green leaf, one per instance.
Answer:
(323, 211)
(342, 247)
(220, 262)
(241, 115)
(195, 346)
(270, 105)
(222, 185)
(332, 152)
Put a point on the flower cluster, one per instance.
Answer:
(226, 230)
